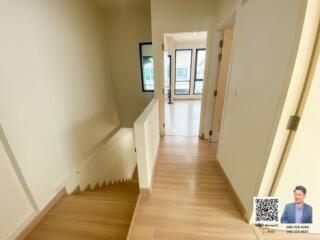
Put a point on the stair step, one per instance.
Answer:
(98, 212)
(108, 197)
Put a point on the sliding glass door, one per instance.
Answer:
(183, 71)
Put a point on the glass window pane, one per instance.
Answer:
(183, 70)
(198, 87)
(147, 66)
(200, 58)
(182, 88)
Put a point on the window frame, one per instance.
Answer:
(141, 44)
(170, 71)
(195, 71)
(175, 66)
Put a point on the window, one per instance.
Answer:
(199, 71)
(146, 65)
(183, 71)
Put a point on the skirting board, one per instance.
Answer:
(129, 236)
(41, 214)
(145, 191)
(238, 201)
(257, 232)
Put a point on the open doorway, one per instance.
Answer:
(184, 67)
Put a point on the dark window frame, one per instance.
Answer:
(141, 67)
(195, 70)
(175, 66)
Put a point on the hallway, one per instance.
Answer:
(183, 118)
(189, 197)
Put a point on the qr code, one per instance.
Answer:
(266, 209)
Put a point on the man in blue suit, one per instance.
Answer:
(298, 211)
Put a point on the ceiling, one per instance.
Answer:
(188, 36)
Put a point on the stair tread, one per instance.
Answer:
(101, 213)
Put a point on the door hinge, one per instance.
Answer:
(215, 93)
(293, 122)
(135, 150)
(162, 46)
(164, 125)
(219, 56)
(163, 91)
(210, 133)
(220, 43)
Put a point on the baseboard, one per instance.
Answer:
(256, 231)
(129, 235)
(145, 191)
(40, 215)
(240, 206)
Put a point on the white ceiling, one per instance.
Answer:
(188, 36)
(120, 4)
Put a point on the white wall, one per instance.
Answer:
(15, 205)
(173, 16)
(114, 160)
(147, 139)
(56, 98)
(129, 23)
(263, 48)
(302, 164)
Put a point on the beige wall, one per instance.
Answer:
(301, 65)
(56, 98)
(113, 161)
(259, 77)
(15, 205)
(129, 23)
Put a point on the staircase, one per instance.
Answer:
(100, 213)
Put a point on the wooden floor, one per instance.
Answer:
(104, 213)
(189, 200)
(183, 118)
(268, 234)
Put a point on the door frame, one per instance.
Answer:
(213, 37)
(229, 20)
(215, 137)
(159, 83)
